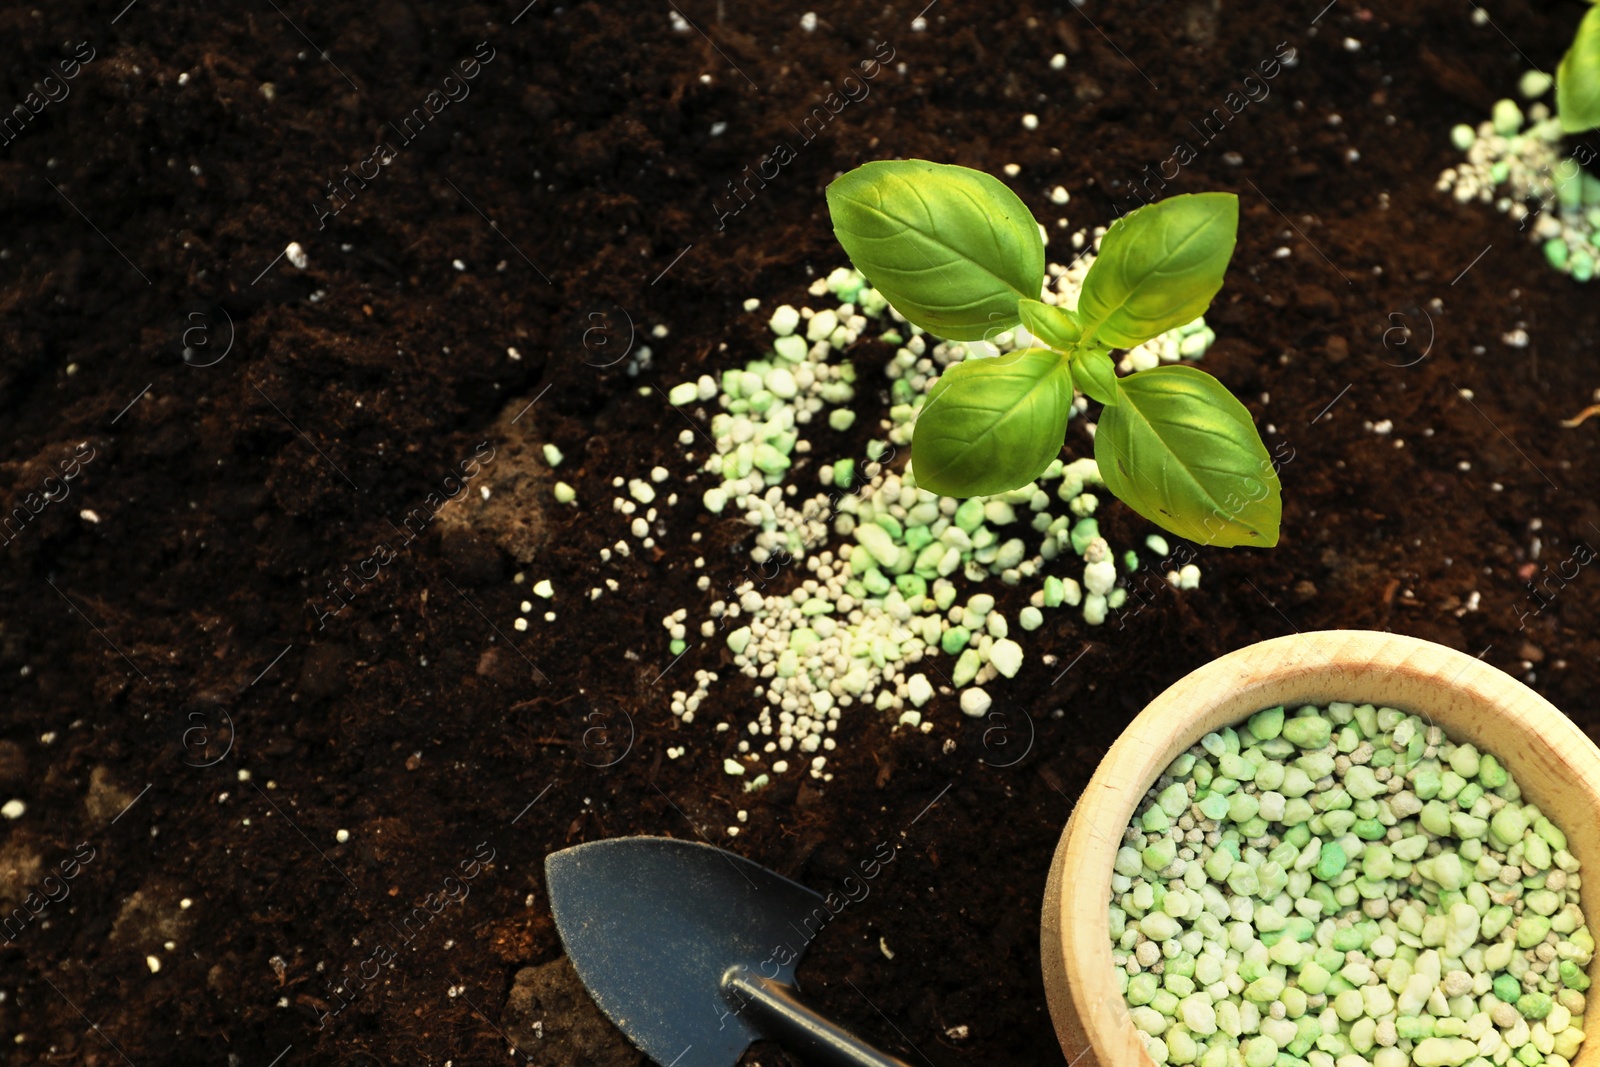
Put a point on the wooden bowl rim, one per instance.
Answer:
(1302, 668)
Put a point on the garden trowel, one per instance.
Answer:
(692, 951)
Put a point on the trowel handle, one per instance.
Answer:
(779, 1014)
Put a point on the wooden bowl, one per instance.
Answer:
(1557, 767)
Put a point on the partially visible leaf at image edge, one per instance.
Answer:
(1158, 268)
(1184, 453)
(1578, 78)
(951, 248)
(992, 424)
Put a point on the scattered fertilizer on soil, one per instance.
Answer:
(888, 578)
(1519, 156)
(1347, 886)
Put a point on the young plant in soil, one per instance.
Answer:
(959, 255)
(1578, 78)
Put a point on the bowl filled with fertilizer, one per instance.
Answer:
(1335, 849)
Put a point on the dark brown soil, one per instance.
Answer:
(152, 656)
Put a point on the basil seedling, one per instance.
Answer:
(1578, 78)
(959, 255)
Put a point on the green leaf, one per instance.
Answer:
(992, 424)
(1057, 327)
(1095, 376)
(1158, 268)
(1578, 78)
(952, 249)
(1183, 452)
